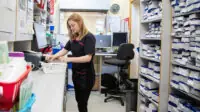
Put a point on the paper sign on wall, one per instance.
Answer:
(113, 23)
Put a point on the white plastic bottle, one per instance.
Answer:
(15, 68)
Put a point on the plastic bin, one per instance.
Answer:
(10, 91)
(54, 67)
(29, 104)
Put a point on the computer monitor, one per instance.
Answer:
(119, 38)
(103, 41)
(40, 34)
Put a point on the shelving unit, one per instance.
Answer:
(159, 58)
(151, 20)
(186, 88)
(149, 58)
(189, 95)
(150, 39)
(187, 66)
(185, 14)
(146, 97)
(151, 78)
(178, 36)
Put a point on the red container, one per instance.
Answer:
(11, 91)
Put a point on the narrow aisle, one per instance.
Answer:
(96, 104)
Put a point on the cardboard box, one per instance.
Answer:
(96, 84)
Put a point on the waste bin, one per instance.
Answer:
(131, 96)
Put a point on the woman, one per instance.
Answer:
(82, 45)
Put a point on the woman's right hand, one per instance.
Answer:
(50, 57)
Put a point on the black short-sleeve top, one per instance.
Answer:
(83, 47)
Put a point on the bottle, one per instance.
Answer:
(15, 68)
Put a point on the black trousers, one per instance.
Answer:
(83, 86)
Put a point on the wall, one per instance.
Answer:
(90, 19)
(56, 17)
(85, 4)
(135, 37)
(123, 13)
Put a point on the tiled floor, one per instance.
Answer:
(96, 104)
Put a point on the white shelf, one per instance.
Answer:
(151, 59)
(187, 66)
(152, 20)
(145, 0)
(185, 14)
(150, 77)
(188, 94)
(181, 36)
(176, 36)
(155, 103)
(150, 39)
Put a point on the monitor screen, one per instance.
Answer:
(103, 41)
(120, 38)
(40, 35)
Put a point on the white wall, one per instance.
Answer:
(123, 13)
(90, 20)
(135, 39)
(85, 4)
(56, 16)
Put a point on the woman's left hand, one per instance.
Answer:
(63, 59)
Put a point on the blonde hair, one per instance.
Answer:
(78, 19)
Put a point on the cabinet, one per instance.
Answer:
(7, 21)
(16, 23)
(24, 20)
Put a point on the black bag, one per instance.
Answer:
(109, 81)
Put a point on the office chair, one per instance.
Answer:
(122, 61)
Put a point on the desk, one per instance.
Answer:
(105, 54)
(49, 90)
(99, 65)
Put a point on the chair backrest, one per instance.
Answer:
(125, 52)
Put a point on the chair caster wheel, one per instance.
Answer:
(105, 101)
